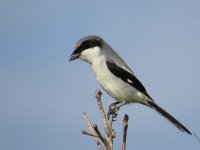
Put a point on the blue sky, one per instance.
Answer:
(43, 96)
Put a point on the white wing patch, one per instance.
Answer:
(128, 80)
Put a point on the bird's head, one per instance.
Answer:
(87, 48)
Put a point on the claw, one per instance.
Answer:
(113, 110)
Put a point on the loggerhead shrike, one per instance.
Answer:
(114, 75)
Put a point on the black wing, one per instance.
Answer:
(126, 77)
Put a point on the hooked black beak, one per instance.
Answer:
(73, 56)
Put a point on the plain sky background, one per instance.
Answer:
(43, 96)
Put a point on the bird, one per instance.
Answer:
(116, 77)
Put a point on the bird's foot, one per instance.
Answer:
(113, 108)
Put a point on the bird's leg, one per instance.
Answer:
(113, 108)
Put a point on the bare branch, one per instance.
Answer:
(106, 126)
(110, 121)
(99, 134)
(93, 132)
(87, 133)
(107, 140)
(125, 124)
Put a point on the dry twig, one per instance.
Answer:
(107, 140)
(125, 123)
(97, 140)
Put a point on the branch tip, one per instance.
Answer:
(98, 93)
(125, 123)
(87, 133)
(126, 118)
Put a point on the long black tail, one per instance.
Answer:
(168, 117)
